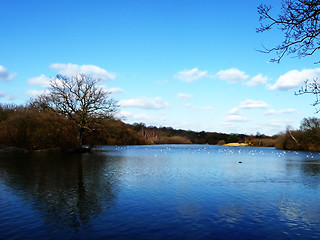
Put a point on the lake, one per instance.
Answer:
(161, 192)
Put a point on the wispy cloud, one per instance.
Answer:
(191, 75)
(249, 104)
(294, 78)
(236, 118)
(42, 80)
(5, 76)
(259, 79)
(280, 112)
(184, 96)
(232, 75)
(145, 103)
(74, 69)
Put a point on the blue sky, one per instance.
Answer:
(185, 64)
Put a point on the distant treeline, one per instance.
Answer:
(306, 138)
(32, 128)
(163, 135)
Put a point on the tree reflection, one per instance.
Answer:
(68, 189)
(308, 169)
(311, 168)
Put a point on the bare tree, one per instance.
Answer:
(80, 98)
(300, 23)
(310, 124)
(312, 87)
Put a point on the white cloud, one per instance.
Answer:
(236, 118)
(123, 115)
(5, 76)
(144, 102)
(232, 75)
(279, 112)
(74, 69)
(42, 80)
(191, 75)
(249, 103)
(257, 80)
(36, 93)
(294, 78)
(109, 90)
(234, 111)
(184, 96)
(115, 90)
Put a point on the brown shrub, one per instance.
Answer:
(264, 142)
(29, 129)
(222, 142)
(113, 132)
(172, 140)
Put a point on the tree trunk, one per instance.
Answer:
(80, 138)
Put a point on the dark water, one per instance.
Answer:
(161, 192)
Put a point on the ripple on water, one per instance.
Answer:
(170, 192)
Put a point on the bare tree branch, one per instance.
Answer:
(299, 21)
(79, 98)
(313, 88)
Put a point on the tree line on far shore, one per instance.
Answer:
(32, 128)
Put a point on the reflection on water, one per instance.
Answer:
(67, 190)
(311, 168)
(161, 192)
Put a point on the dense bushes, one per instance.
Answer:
(28, 128)
(33, 129)
(233, 138)
(113, 132)
(263, 142)
(306, 139)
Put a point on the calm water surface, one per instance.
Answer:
(161, 192)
